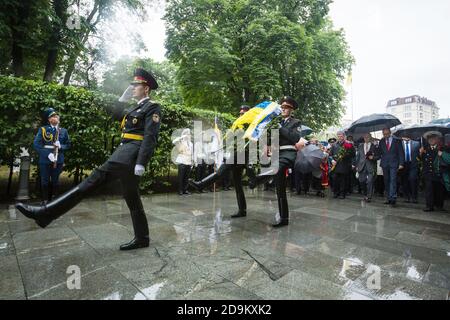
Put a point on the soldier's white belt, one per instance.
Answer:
(288, 148)
(49, 147)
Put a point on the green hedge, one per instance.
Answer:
(92, 131)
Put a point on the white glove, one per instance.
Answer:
(139, 170)
(127, 94)
(51, 157)
(57, 144)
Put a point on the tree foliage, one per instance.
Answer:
(119, 75)
(230, 52)
(38, 44)
(92, 131)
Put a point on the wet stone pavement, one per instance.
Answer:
(332, 249)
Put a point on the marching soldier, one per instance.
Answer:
(237, 171)
(140, 128)
(290, 140)
(50, 143)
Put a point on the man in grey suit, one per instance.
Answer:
(409, 174)
(366, 166)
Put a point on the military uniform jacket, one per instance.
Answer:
(290, 132)
(142, 120)
(430, 171)
(44, 140)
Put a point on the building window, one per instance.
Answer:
(421, 122)
(394, 103)
(421, 115)
(420, 108)
(407, 115)
(407, 108)
(393, 110)
(408, 100)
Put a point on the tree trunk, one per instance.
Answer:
(74, 57)
(18, 36)
(11, 167)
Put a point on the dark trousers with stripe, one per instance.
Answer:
(112, 171)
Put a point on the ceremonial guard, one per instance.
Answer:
(237, 171)
(290, 140)
(50, 143)
(140, 128)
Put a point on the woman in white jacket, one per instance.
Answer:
(184, 160)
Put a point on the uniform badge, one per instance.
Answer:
(155, 118)
(135, 120)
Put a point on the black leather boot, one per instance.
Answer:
(209, 180)
(44, 215)
(239, 214)
(284, 213)
(255, 181)
(136, 243)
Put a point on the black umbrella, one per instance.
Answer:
(306, 131)
(309, 159)
(415, 132)
(374, 122)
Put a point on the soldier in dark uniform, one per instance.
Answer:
(237, 171)
(434, 187)
(50, 143)
(290, 134)
(140, 128)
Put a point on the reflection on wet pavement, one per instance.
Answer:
(331, 250)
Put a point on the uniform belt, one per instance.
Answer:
(49, 147)
(288, 148)
(132, 136)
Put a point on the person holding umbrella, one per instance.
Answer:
(390, 151)
(431, 159)
(366, 166)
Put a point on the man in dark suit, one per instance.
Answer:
(342, 164)
(392, 155)
(409, 174)
(140, 129)
(366, 166)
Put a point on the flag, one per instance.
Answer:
(218, 155)
(268, 111)
(247, 118)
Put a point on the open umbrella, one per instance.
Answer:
(415, 132)
(306, 131)
(309, 159)
(374, 122)
(445, 121)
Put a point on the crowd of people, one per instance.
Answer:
(342, 163)
(392, 167)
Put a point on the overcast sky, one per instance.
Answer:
(401, 48)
